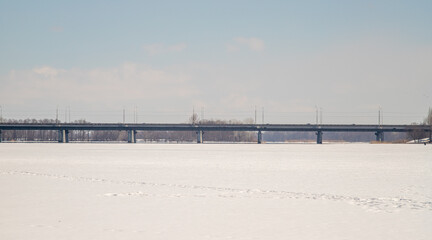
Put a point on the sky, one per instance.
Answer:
(226, 60)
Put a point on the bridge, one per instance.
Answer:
(64, 128)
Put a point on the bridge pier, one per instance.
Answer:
(319, 137)
(430, 136)
(259, 137)
(379, 136)
(132, 136)
(0, 136)
(200, 134)
(63, 136)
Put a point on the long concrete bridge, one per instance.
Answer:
(64, 128)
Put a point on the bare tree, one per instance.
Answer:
(193, 118)
(416, 133)
(428, 121)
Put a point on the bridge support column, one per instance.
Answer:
(319, 137)
(259, 137)
(200, 134)
(63, 136)
(430, 135)
(379, 136)
(60, 136)
(132, 136)
(0, 136)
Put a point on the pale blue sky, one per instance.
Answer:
(347, 57)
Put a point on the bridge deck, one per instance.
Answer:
(217, 127)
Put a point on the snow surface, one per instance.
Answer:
(215, 191)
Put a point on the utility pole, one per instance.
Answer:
(135, 117)
(57, 115)
(380, 117)
(320, 115)
(255, 115)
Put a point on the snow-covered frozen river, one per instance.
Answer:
(215, 191)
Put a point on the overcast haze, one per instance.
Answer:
(222, 58)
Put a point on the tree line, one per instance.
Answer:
(417, 134)
(121, 136)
